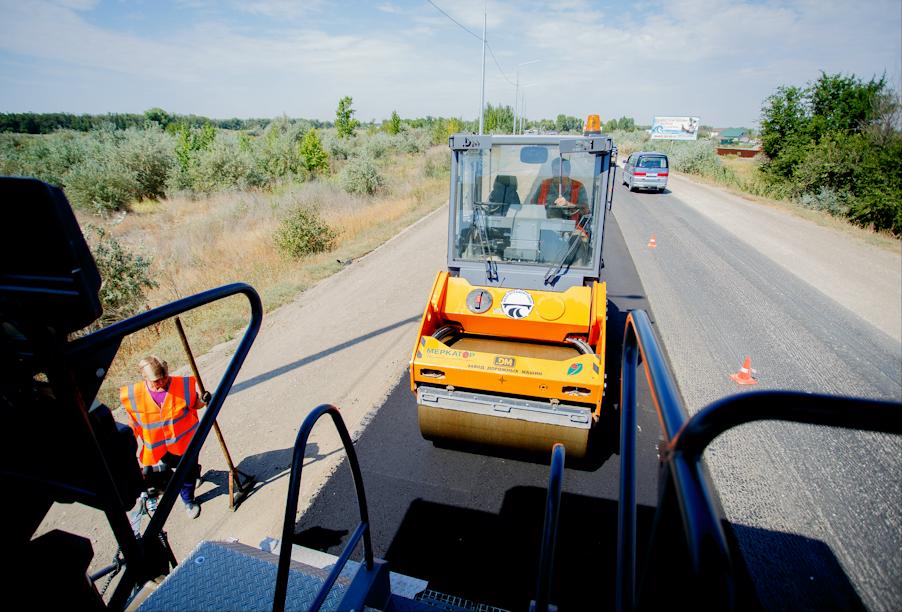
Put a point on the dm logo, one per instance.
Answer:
(574, 369)
(517, 304)
(507, 362)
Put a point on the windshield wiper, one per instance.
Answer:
(481, 225)
(556, 269)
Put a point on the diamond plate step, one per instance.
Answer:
(232, 576)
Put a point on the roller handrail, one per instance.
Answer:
(796, 406)
(705, 540)
(294, 488)
(684, 441)
(110, 337)
(549, 531)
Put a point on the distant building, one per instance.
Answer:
(731, 135)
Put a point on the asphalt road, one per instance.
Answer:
(819, 503)
(470, 522)
(815, 511)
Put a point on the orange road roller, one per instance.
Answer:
(510, 350)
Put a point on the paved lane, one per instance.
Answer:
(829, 500)
(470, 523)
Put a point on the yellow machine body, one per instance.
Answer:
(519, 382)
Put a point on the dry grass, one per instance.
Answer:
(198, 244)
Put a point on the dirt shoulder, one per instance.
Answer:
(861, 277)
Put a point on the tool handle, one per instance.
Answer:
(204, 394)
(200, 383)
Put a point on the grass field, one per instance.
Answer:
(198, 244)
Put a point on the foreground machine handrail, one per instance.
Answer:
(366, 585)
(110, 337)
(682, 484)
(549, 529)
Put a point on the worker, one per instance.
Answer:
(566, 191)
(162, 411)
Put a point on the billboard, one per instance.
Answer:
(674, 128)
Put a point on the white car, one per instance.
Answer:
(646, 170)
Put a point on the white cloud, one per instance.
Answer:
(278, 9)
(719, 59)
(388, 7)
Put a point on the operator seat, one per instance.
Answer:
(504, 192)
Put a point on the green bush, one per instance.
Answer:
(696, 157)
(303, 232)
(48, 158)
(377, 146)
(316, 160)
(361, 176)
(102, 183)
(629, 141)
(149, 156)
(414, 140)
(277, 153)
(225, 166)
(827, 200)
(338, 148)
(124, 277)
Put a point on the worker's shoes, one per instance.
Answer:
(193, 509)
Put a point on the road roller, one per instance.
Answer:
(510, 350)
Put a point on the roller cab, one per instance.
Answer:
(510, 349)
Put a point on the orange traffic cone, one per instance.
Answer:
(652, 243)
(744, 375)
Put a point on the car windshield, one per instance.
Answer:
(653, 162)
(526, 204)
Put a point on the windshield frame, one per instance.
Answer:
(495, 270)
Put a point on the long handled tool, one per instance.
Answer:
(238, 490)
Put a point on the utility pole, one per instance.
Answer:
(482, 99)
(517, 101)
(517, 117)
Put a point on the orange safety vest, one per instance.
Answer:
(545, 187)
(162, 429)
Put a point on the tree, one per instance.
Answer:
(158, 116)
(191, 140)
(784, 128)
(316, 159)
(836, 145)
(345, 123)
(499, 119)
(842, 103)
(394, 124)
(566, 123)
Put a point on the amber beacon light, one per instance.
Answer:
(593, 125)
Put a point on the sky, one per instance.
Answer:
(715, 59)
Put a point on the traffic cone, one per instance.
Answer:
(652, 243)
(744, 375)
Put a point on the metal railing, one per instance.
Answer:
(372, 577)
(549, 531)
(81, 356)
(683, 487)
